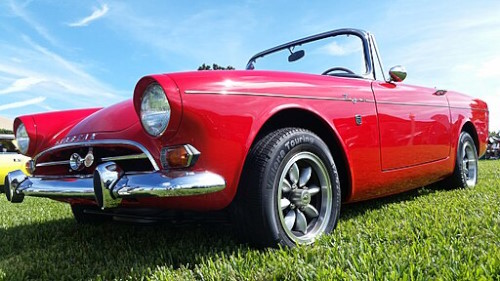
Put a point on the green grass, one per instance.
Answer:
(419, 235)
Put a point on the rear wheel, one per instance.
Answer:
(289, 192)
(84, 214)
(466, 168)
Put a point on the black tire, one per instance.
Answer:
(466, 170)
(284, 156)
(82, 215)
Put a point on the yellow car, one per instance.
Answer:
(10, 158)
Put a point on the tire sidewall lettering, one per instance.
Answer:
(296, 143)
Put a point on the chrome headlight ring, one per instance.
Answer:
(155, 110)
(22, 139)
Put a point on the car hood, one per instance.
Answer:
(114, 118)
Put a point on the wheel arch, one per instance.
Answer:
(307, 119)
(471, 130)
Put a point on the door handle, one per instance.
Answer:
(440, 92)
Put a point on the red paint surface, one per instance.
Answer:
(404, 141)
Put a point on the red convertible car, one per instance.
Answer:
(309, 125)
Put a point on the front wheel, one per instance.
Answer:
(466, 168)
(290, 191)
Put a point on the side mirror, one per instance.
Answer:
(397, 74)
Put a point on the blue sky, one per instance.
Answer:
(71, 54)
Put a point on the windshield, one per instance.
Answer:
(340, 55)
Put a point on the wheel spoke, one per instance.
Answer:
(284, 203)
(285, 186)
(313, 190)
(310, 211)
(290, 219)
(301, 222)
(293, 173)
(305, 175)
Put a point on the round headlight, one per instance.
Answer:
(155, 110)
(22, 138)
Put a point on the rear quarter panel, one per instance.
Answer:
(465, 109)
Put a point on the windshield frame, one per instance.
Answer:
(363, 35)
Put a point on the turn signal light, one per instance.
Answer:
(179, 156)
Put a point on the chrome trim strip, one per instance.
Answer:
(345, 98)
(411, 104)
(91, 143)
(124, 157)
(425, 104)
(104, 159)
(375, 52)
(274, 95)
(55, 163)
(473, 109)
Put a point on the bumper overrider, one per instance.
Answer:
(109, 185)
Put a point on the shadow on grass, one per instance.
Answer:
(356, 209)
(62, 249)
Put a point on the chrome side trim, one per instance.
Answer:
(411, 104)
(124, 157)
(54, 163)
(275, 95)
(345, 98)
(473, 109)
(91, 143)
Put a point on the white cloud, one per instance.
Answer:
(489, 69)
(20, 12)
(21, 84)
(336, 49)
(96, 14)
(63, 84)
(22, 103)
(190, 38)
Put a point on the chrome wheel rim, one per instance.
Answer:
(304, 198)
(469, 164)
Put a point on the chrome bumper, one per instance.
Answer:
(109, 185)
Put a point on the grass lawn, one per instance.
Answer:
(419, 235)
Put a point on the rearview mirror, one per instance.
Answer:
(397, 73)
(294, 56)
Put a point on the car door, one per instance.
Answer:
(414, 124)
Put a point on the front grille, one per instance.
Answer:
(130, 156)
